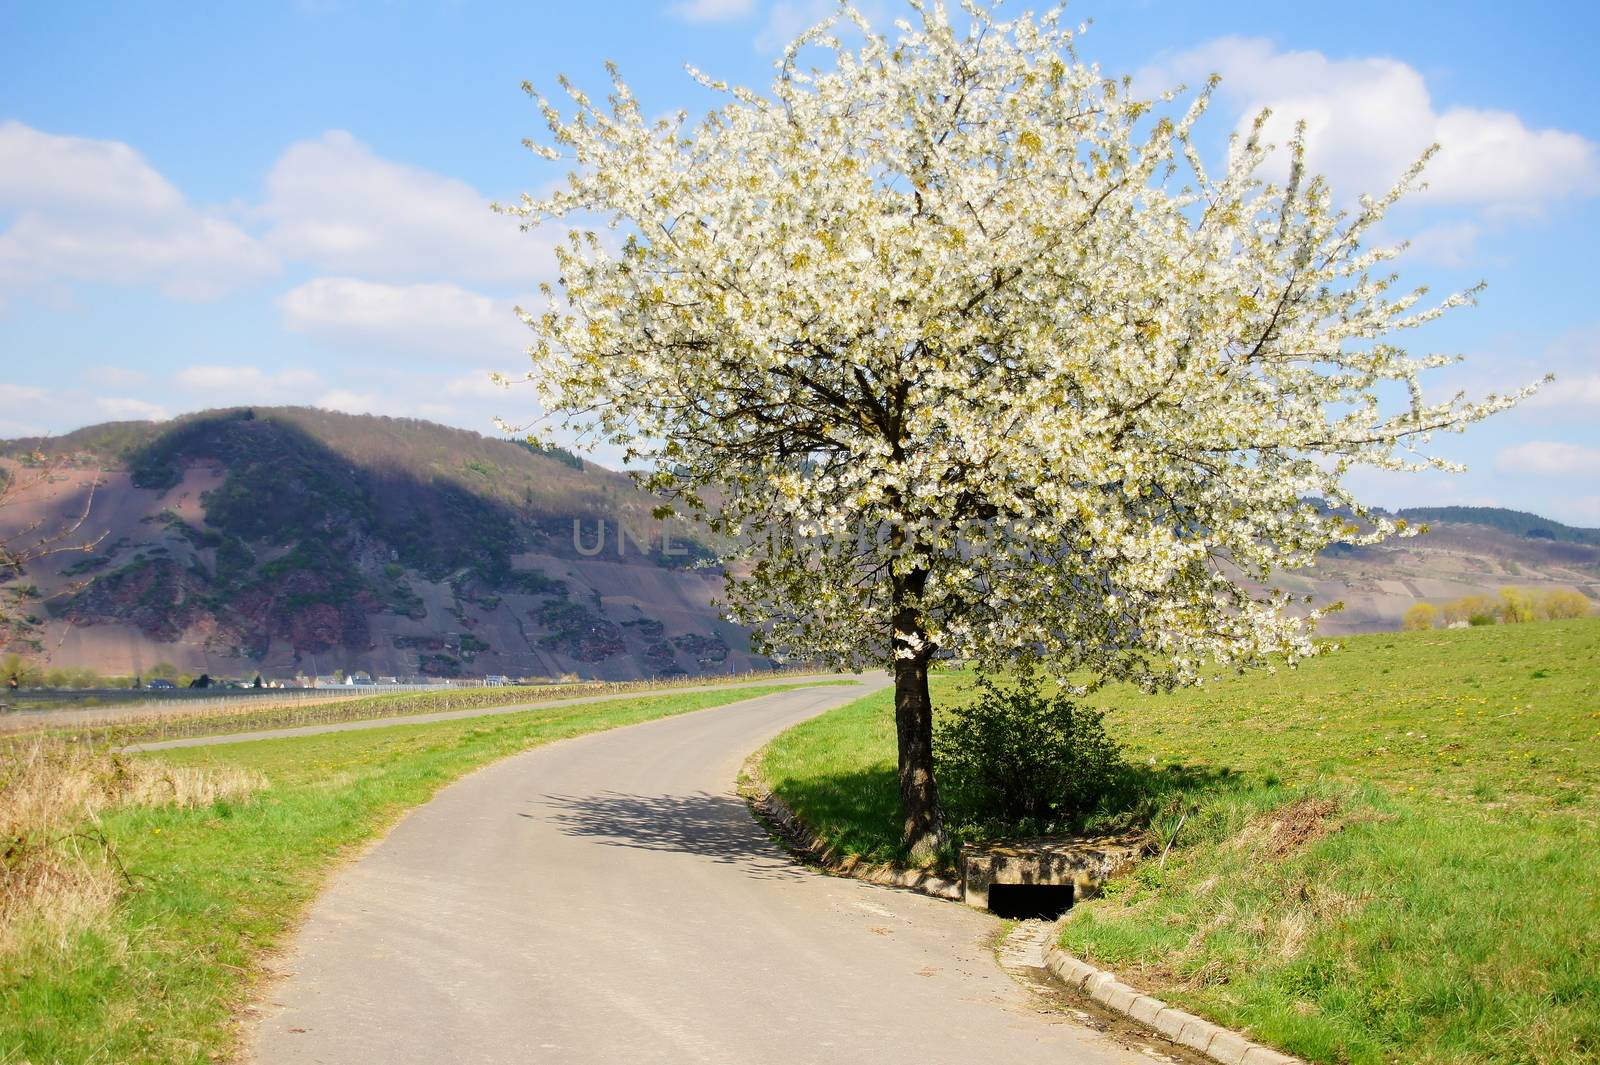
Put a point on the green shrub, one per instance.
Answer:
(1020, 759)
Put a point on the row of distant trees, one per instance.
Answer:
(1511, 606)
(19, 672)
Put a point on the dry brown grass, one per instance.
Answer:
(1301, 822)
(58, 871)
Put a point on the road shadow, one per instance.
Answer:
(1145, 798)
(718, 827)
(863, 807)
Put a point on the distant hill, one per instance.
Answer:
(1516, 522)
(285, 539)
(1466, 551)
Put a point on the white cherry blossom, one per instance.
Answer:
(974, 356)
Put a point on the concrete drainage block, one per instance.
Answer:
(1039, 877)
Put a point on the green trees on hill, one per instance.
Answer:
(1516, 522)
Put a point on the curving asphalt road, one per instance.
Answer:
(608, 899)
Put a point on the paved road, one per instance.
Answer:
(609, 900)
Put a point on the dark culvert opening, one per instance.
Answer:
(1029, 901)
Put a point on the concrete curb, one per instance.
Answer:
(1214, 1041)
(806, 844)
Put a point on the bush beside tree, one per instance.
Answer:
(1019, 759)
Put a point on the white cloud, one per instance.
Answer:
(1451, 244)
(95, 210)
(246, 382)
(126, 408)
(1506, 361)
(711, 10)
(467, 400)
(1583, 511)
(85, 210)
(45, 170)
(20, 407)
(1574, 357)
(352, 402)
(18, 395)
(1569, 392)
(1369, 119)
(1548, 458)
(476, 385)
(116, 377)
(406, 398)
(433, 320)
(27, 410)
(334, 203)
(788, 19)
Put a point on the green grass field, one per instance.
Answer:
(219, 885)
(1388, 854)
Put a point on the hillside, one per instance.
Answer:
(288, 539)
(1515, 522)
(1453, 558)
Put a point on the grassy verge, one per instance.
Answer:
(1387, 854)
(158, 980)
(837, 773)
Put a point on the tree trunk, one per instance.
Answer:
(923, 832)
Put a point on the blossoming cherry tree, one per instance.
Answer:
(965, 347)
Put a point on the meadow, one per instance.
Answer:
(1386, 854)
(205, 884)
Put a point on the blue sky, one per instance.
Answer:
(204, 205)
